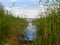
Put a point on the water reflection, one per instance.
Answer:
(30, 32)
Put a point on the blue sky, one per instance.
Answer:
(23, 3)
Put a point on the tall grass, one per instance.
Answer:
(49, 28)
(10, 27)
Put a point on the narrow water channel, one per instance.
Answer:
(30, 31)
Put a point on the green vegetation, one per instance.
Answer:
(10, 27)
(49, 28)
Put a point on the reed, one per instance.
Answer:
(49, 28)
(10, 27)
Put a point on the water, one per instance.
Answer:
(29, 20)
(30, 32)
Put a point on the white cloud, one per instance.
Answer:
(27, 13)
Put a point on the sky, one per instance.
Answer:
(24, 7)
(20, 3)
(24, 3)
